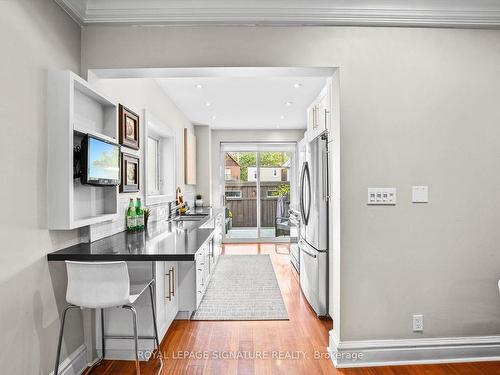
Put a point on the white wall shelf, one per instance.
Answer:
(76, 109)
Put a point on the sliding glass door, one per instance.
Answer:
(257, 191)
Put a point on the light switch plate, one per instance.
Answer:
(382, 196)
(420, 194)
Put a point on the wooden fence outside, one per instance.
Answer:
(244, 208)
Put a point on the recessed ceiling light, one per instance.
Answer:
(288, 104)
(199, 86)
(282, 117)
(208, 104)
(214, 117)
(297, 85)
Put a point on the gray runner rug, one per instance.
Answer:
(243, 287)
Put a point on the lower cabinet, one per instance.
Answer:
(167, 295)
(194, 277)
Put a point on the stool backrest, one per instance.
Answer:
(98, 284)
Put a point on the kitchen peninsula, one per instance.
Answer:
(179, 254)
(178, 239)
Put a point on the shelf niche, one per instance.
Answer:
(76, 109)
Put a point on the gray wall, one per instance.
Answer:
(35, 36)
(140, 94)
(418, 106)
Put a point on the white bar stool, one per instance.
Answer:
(99, 285)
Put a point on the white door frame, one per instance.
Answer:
(222, 183)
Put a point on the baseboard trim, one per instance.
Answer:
(369, 353)
(75, 364)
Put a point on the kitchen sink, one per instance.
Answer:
(188, 218)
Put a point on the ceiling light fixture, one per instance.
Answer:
(297, 85)
(199, 86)
(208, 104)
(288, 104)
(282, 117)
(214, 117)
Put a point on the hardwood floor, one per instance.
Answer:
(202, 348)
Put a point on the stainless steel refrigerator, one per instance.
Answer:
(313, 241)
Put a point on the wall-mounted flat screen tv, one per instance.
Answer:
(100, 162)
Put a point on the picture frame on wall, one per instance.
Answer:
(130, 173)
(128, 127)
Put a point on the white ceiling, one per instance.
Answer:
(257, 102)
(435, 13)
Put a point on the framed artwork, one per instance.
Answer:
(129, 127)
(130, 173)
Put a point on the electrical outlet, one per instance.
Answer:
(418, 323)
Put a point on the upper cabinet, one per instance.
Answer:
(319, 113)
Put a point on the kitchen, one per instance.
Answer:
(412, 195)
(180, 249)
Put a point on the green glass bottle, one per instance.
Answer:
(139, 214)
(131, 216)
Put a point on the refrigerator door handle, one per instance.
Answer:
(324, 174)
(301, 200)
(308, 177)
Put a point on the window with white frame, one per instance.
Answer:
(153, 166)
(227, 174)
(160, 181)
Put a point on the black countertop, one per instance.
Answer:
(162, 241)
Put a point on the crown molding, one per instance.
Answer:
(77, 9)
(420, 13)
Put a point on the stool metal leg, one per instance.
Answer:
(152, 295)
(103, 341)
(99, 361)
(136, 339)
(61, 334)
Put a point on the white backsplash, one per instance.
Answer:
(101, 230)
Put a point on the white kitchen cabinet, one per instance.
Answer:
(192, 282)
(167, 295)
(194, 277)
(319, 113)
